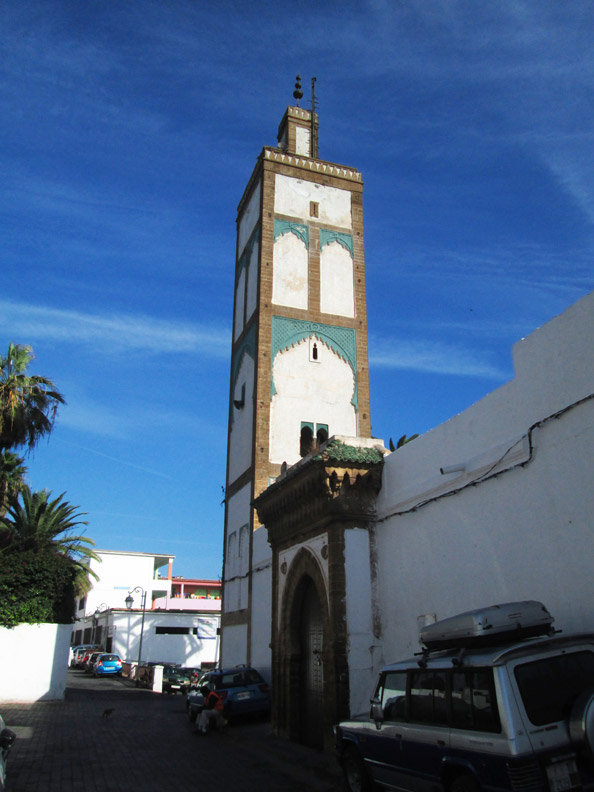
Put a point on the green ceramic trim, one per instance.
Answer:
(327, 237)
(339, 452)
(285, 226)
(287, 332)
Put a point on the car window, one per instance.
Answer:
(549, 686)
(474, 705)
(428, 697)
(392, 695)
(110, 657)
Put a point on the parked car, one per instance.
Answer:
(243, 690)
(176, 679)
(76, 651)
(495, 701)
(107, 665)
(79, 653)
(90, 660)
(7, 737)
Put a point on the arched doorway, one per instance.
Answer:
(310, 629)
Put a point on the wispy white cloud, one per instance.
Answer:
(120, 461)
(432, 358)
(112, 334)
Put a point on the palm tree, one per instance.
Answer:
(46, 526)
(12, 477)
(28, 404)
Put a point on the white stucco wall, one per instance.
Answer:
(119, 573)
(240, 433)
(187, 650)
(292, 198)
(306, 390)
(34, 662)
(248, 219)
(236, 565)
(261, 620)
(302, 141)
(337, 294)
(525, 532)
(289, 279)
(234, 645)
(364, 649)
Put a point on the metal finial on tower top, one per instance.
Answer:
(298, 93)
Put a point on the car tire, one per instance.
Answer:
(581, 722)
(356, 778)
(464, 783)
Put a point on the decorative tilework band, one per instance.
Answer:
(285, 226)
(287, 332)
(327, 237)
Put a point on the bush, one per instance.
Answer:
(36, 588)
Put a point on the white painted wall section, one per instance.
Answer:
(236, 564)
(240, 434)
(302, 140)
(187, 650)
(292, 198)
(249, 218)
(517, 520)
(34, 662)
(364, 651)
(289, 280)
(261, 626)
(118, 574)
(337, 294)
(234, 645)
(315, 391)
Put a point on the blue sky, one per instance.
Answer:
(130, 130)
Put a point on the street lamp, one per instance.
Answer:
(129, 602)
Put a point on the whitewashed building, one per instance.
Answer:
(176, 629)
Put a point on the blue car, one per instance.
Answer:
(243, 690)
(107, 664)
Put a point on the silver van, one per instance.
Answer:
(489, 704)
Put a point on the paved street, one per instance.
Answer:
(148, 744)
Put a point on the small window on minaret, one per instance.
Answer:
(314, 351)
(306, 440)
(314, 209)
(321, 433)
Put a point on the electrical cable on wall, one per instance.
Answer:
(489, 474)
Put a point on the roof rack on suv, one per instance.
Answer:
(491, 626)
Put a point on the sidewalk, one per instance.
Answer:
(108, 736)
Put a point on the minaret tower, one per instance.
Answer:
(299, 365)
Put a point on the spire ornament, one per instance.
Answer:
(298, 93)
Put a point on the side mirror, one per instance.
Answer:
(7, 737)
(377, 712)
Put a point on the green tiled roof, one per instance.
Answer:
(340, 452)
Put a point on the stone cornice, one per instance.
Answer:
(318, 491)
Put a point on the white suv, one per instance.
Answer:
(482, 707)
